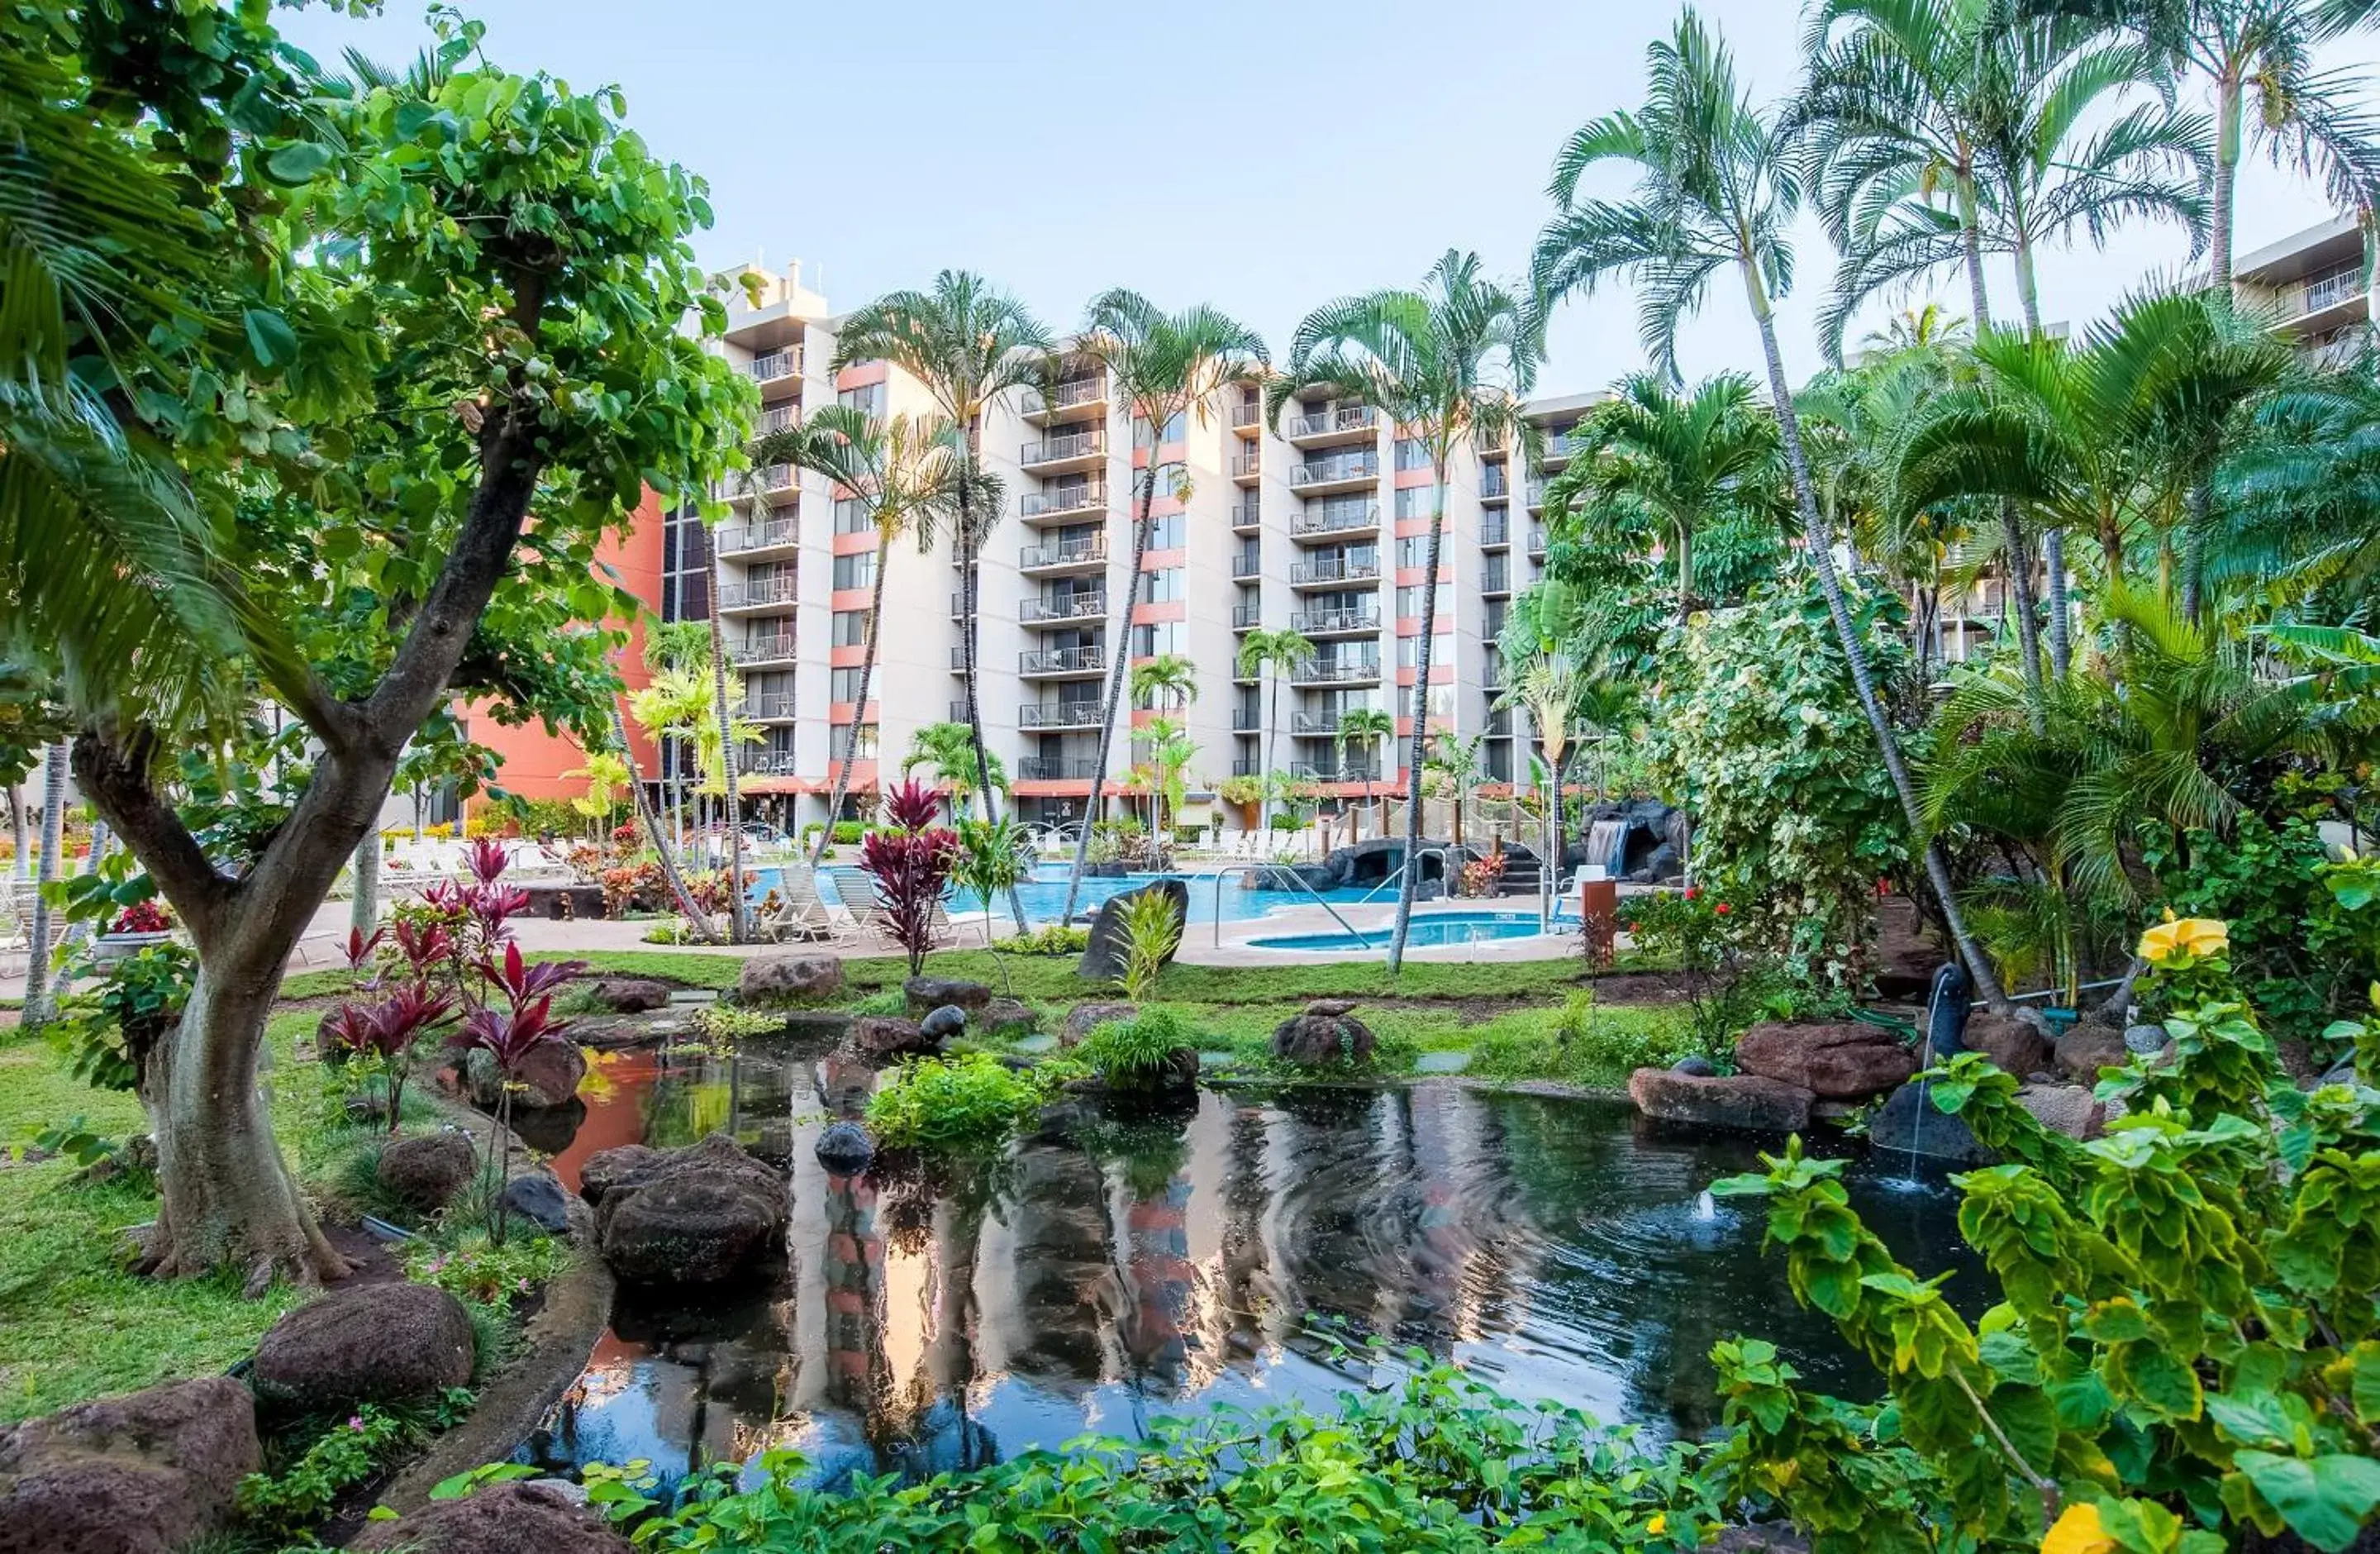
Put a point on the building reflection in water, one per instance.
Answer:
(1124, 1265)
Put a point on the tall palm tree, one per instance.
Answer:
(39, 996)
(905, 474)
(1162, 366)
(1917, 328)
(1278, 653)
(1370, 730)
(1680, 460)
(968, 342)
(949, 749)
(1717, 187)
(1447, 365)
(670, 708)
(1549, 686)
(1169, 677)
(662, 848)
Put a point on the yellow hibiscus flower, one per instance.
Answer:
(1659, 1526)
(2078, 1530)
(2184, 938)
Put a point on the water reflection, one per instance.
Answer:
(1125, 1265)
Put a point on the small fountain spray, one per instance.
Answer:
(1705, 1207)
(1946, 1019)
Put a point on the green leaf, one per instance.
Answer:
(298, 162)
(270, 336)
(2325, 1501)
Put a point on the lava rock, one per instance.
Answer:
(1762, 1537)
(2066, 1109)
(427, 1171)
(699, 1215)
(548, 1075)
(1841, 1061)
(1084, 1018)
(786, 979)
(1737, 1102)
(607, 1169)
(933, 992)
(630, 995)
(2086, 1049)
(400, 1342)
(2145, 1041)
(845, 1149)
(1009, 1014)
(1700, 1067)
(549, 1129)
(943, 1023)
(1323, 1033)
(538, 1198)
(1909, 1124)
(2017, 1043)
(1103, 958)
(148, 1472)
(532, 1518)
(888, 1035)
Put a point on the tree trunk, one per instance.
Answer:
(653, 829)
(1686, 569)
(733, 798)
(2193, 548)
(2223, 186)
(966, 541)
(38, 999)
(1420, 745)
(2012, 546)
(1821, 559)
(2053, 539)
(1119, 651)
(363, 906)
(859, 708)
(23, 843)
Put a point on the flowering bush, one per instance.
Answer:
(486, 1273)
(143, 916)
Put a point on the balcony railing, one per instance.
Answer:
(1494, 482)
(772, 365)
(1336, 519)
(1534, 492)
(762, 650)
(1537, 540)
(1245, 720)
(2342, 285)
(1246, 515)
(1345, 771)
(1247, 564)
(1078, 607)
(750, 596)
(781, 419)
(1072, 499)
(1346, 466)
(761, 535)
(1071, 444)
(1347, 418)
(1496, 581)
(1334, 570)
(1060, 661)
(1335, 672)
(1244, 617)
(958, 605)
(1322, 623)
(1064, 553)
(1314, 723)
(1246, 464)
(1058, 714)
(772, 763)
(1562, 444)
(1036, 768)
(1499, 723)
(1244, 767)
(1496, 530)
(1066, 395)
(767, 708)
(1247, 415)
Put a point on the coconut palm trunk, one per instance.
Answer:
(733, 801)
(2012, 545)
(1821, 546)
(38, 998)
(661, 841)
(973, 691)
(2053, 539)
(22, 844)
(859, 708)
(1120, 659)
(1417, 748)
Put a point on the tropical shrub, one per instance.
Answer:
(849, 833)
(482, 1272)
(1128, 1052)
(308, 1488)
(140, 997)
(910, 865)
(2186, 1354)
(1151, 934)
(1758, 733)
(967, 1101)
(1058, 939)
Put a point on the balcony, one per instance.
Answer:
(1244, 767)
(769, 480)
(1246, 720)
(775, 367)
(777, 648)
(1332, 569)
(1066, 450)
(1314, 725)
(1247, 468)
(1337, 520)
(958, 605)
(1497, 581)
(1036, 768)
(772, 763)
(781, 419)
(1343, 424)
(1495, 485)
(1561, 445)
(1061, 662)
(1063, 610)
(1495, 532)
(769, 709)
(1248, 417)
(1344, 771)
(1336, 672)
(1534, 493)
(1499, 723)
(1036, 506)
(2319, 294)
(1245, 519)
(1537, 541)
(1067, 393)
(1058, 714)
(1245, 617)
(769, 593)
(1344, 471)
(1335, 623)
(1247, 564)
(1065, 555)
(767, 534)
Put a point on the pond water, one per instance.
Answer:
(1113, 1268)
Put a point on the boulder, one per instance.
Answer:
(943, 1023)
(845, 1149)
(608, 1169)
(630, 995)
(1696, 1065)
(786, 978)
(2145, 1041)
(1084, 1018)
(933, 992)
(538, 1198)
(2017, 1043)
(1009, 1014)
(699, 1215)
(2066, 1109)
(1841, 1061)
(548, 1075)
(400, 1342)
(1739, 1102)
(1323, 1033)
(1909, 1124)
(427, 1171)
(2086, 1048)
(1761, 1537)
(148, 1472)
(1103, 959)
(532, 1518)
(888, 1035)
(549, 1129)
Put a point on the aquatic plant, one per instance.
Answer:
(1127, 1051)
(967, 1101)
(1152, 932)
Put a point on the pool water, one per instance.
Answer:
(1429, 931)
(1044, 896)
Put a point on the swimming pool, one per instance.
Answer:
(1429, 931)
(1044, 896)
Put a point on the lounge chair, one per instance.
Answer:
(803, 913)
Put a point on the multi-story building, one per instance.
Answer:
(2312, 285)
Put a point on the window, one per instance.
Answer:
(851, 628)
(1409, 602)
(855, 571)
(1413, 551)
(1172, 482)
(1175, 429)
(1164, 637)
(685, 568)
(1165, 533)
(851, 515)
(867, 749)
(1441, 701)
(1413, 502)
(868, 400)
(847, 685)
(1412, 453)
(1162, 587)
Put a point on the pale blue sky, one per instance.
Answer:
(1262, 157)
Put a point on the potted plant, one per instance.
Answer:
(136, 928)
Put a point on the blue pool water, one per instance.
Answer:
(1044, 896)
(1427, 932)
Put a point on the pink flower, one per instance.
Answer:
(355, 1421)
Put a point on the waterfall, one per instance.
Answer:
(1606, 844)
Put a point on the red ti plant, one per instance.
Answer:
(509, 1036)
(387, 1033)
(910, 864)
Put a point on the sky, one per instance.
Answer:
(1258, 157)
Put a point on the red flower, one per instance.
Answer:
(1692, 891)
(142, 916)
(1721, 909)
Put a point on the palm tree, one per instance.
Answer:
(968, 342)
(1717, 187)
(1679, 460)
(1917, 328)
(1370, 730)
(695, 915)
(956, 761)
(1281, 652)
(1457, 765)
(39, 996)
(1549, 686)
(1170, 679)
(1162, 366)
(1447, 365)
(905, 474)
(670, 708)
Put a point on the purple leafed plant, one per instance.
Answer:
(388, 1032)
(910, 864)
(508, 1036)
